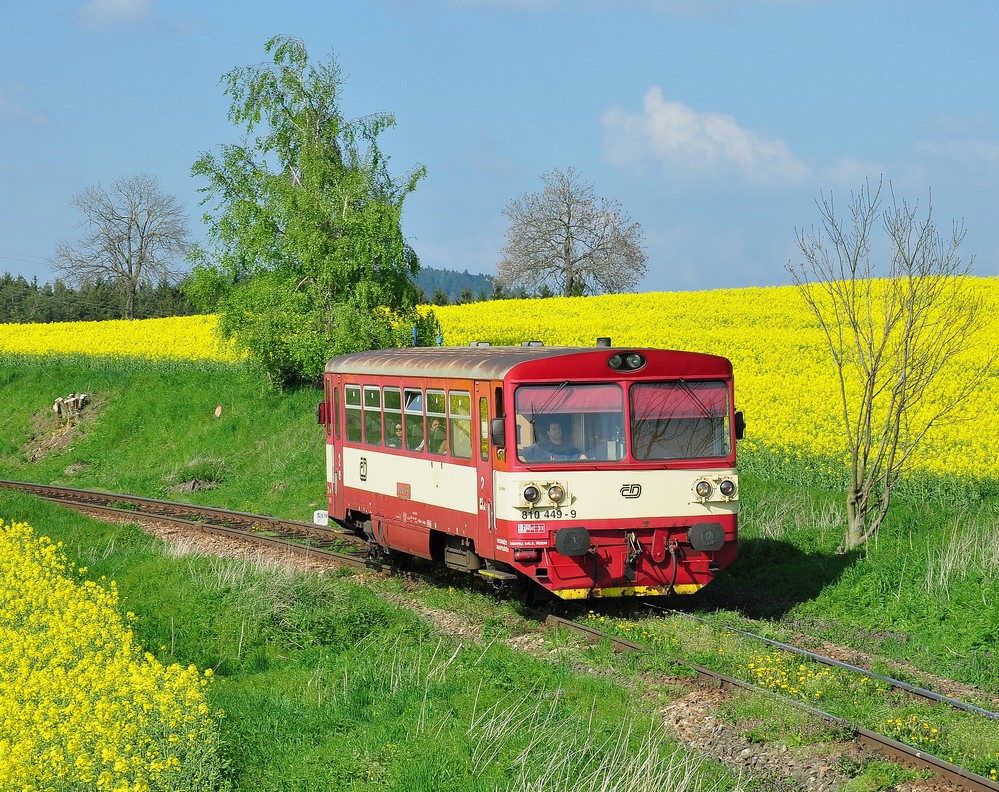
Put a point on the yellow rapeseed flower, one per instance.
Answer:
(82, 705)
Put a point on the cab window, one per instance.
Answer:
(680, 420)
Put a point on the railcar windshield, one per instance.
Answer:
(570, 422)
(680, 420)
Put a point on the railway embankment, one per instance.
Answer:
(324, 676)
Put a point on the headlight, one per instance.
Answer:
(532, 494)
(702, 488)
(634, 361)
(727, 488)
(555, 493)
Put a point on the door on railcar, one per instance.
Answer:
(334, 446)
(483, 409)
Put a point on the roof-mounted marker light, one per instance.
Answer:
(627, 361)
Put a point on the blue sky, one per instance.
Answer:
(715, 123)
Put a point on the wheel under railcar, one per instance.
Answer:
(589, 472)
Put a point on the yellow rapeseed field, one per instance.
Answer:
(82, 706)
(174, 338)
(785, 381)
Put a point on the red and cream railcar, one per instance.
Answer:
(587, 471)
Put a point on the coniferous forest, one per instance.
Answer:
(23, 301)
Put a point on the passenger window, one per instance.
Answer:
(460, 420)
(372, 415)
(436, 422)
(414, 419)
(393, 417)
(352, 402)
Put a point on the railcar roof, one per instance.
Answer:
(471, 362)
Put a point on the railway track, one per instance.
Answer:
(296, 537)
(314, 541)
(894, 750)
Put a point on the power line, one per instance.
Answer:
(24, 258)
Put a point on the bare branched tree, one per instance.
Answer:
(891, 331)
(571, 241)
(133, 233)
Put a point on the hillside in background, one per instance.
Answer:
(784, 379)
(453, 284)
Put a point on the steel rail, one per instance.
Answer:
(190, 516)
(930, 695)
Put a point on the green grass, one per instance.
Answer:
(306, 661)
(150, 429)
(325, 685)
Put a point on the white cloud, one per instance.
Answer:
(967, 151)
(102, 14)
(697, 146)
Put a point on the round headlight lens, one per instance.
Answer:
(532, 494)
(615, 362)
(727, 488)
(555, 493)
(634, 361)
(702, 488)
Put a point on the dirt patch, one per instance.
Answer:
(52, 431)
(193, 486)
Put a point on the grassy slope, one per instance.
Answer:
(152, 428)
(324, 684)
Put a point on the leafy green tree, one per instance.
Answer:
(308, 258)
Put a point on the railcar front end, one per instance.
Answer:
(626, 486)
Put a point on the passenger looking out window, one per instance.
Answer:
(394, 437)
(437, 422)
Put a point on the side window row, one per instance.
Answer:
(437, 421)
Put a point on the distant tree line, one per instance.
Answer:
(450, 287)
(23, 301)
